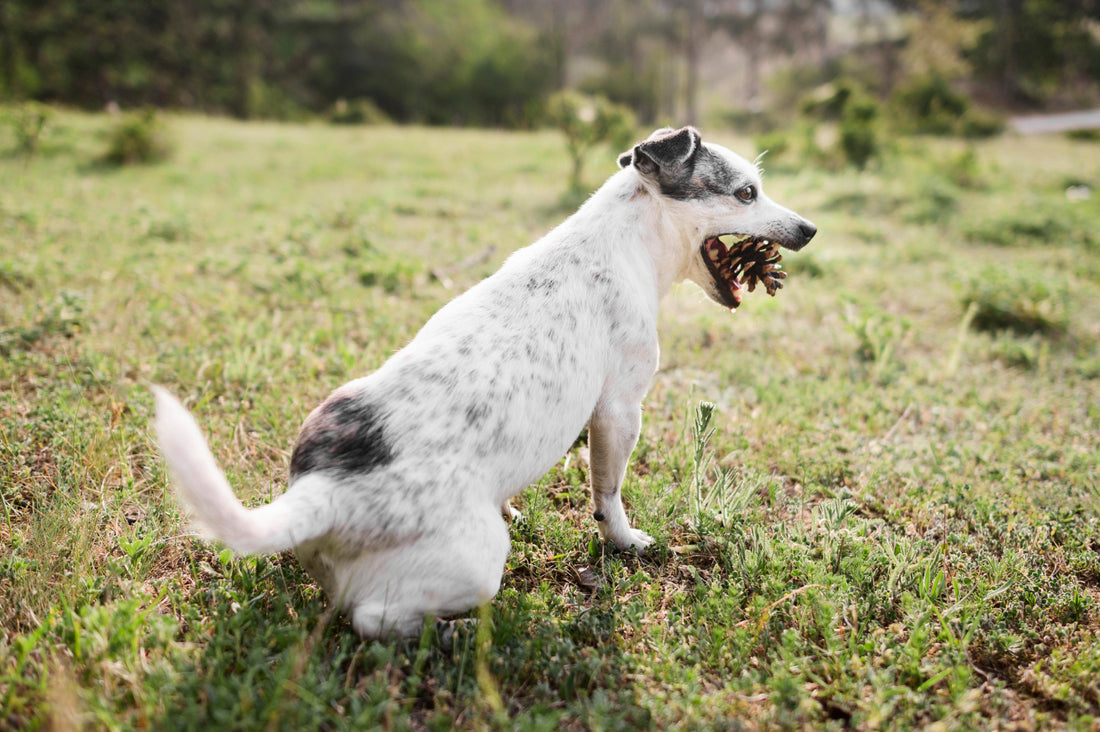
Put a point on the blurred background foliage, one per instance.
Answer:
(745, 63)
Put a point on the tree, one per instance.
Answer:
(586, 122)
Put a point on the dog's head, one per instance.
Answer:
(712, 192)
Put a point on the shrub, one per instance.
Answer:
(980, 123)
(139, 137)
(29, 122)
(858, 139)
(586, 122)
(1092, 135)
(829, 101)
(928, 105)
(357, 112)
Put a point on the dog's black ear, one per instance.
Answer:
(625, 158)
(666, 148)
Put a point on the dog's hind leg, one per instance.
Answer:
(442, 573)
(612, 434)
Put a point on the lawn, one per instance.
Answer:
(875, 496)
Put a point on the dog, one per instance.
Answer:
(398, 479)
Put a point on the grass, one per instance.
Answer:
(883, 515)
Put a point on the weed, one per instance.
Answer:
(389, 273)
(1027, 353)
(14, 278)
(64, 317)
(964, 169)
(1022, 303)
(170, 229)
(878, 335)
(1042, 222)
(714, 501)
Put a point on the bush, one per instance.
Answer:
(357, 112)
(980, 123)
(858, 138)
(829, 101)
(139, 137)
(928, 105)
(29, 122)
(586, 122)
(1084, 135)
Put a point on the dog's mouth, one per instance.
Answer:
(741, 262)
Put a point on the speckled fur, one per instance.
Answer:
(398, 478)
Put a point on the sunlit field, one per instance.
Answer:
(874, 496)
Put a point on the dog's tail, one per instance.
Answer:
(203, 489)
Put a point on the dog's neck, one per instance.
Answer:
(624, 213)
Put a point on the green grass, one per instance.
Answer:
(889, 520)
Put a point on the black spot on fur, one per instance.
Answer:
(476, 414)
(706, 174)
(345, 435)
(545, 285)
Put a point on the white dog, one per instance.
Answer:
(397, 479)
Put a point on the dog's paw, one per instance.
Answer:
(509, 512)
(636, 540)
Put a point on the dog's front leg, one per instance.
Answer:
(612, 434)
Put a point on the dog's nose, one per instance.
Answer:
(807, 230)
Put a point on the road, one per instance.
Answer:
(1045, 124)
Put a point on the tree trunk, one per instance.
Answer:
(7, 55)
(692, 40)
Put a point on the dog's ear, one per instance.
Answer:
(625, 158)
(665, 148)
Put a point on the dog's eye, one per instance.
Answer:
(746, 194)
